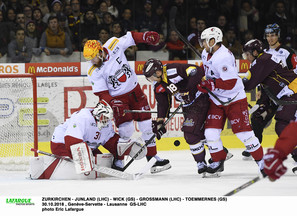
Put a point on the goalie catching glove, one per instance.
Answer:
(158, 128)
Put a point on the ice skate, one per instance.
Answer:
(160, 165)
(261, 167)
(215, 167)
(229, 155)
(202, 167)
(246, 155)
(294, 169)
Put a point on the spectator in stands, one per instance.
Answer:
(206, 10)
(116, 30)
(107, 21)
(195, 36)
(103, 35)
(161, 20)
(126, 20)
(4, 38)
(54, 40)
(56, 7)
(282, 17)
(1, 16)
(248, 18)
(20, 20)
(88, 5)
(123, 4)
(10, 15)
(222, 23)
(39, 24)
(62, 19)
(102, 9)
(75, 25)
(146, 20)
(247, 36)
(90, 25)
(231, 42)
(28, 13)
(176, 48)
(16, 5)
(67, 10)
(3, 7)
(111, 8)
(20, 49)
(193, 25)
(31, 33)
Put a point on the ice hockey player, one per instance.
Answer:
(285, 144)
(268, 70)
(223, 81)
(180, 80)
(114, 81)
(82, 134)
(288, 57)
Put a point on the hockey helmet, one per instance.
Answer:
(272, 28)
(251, 46)
(103, 114)
(151, 66)
(209, 33)
(91, 49)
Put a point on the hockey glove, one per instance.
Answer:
(261, 112)
(273, 164)
(151, 37)
(210, 84)
(118, 108)
(186, 96)
(158, 129)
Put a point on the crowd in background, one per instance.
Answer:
(61, 27)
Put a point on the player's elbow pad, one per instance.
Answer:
(245, 76)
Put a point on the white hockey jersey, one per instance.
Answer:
(115, 74)
(82, 125)
(222, 65)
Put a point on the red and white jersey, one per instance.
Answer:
(115, 74)
(82, 125)
(222, 65)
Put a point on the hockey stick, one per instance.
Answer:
(276, 100)
(172, 16)
(104, 170)
(218, 99)
(245, 185)
(152, 138)
(145, 111)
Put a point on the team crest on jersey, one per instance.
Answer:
(120, 76)
(224, 68)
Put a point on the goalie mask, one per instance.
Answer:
(103, 114)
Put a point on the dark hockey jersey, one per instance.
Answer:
(177, 79)
(268, 71)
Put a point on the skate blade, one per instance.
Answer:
(160, 169)
(229, 155)
(211, 175)
(294, 170)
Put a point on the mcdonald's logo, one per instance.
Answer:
(244, 66)
(31, 70)
(140, 67)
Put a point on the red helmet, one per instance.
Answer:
(252, 45)
(151, 66)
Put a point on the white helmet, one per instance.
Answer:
(103, 114)
(209, 33)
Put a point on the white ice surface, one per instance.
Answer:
(181, 180)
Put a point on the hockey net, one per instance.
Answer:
(18, 120)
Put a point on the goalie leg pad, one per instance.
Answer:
(82, 158)
(131, 148)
